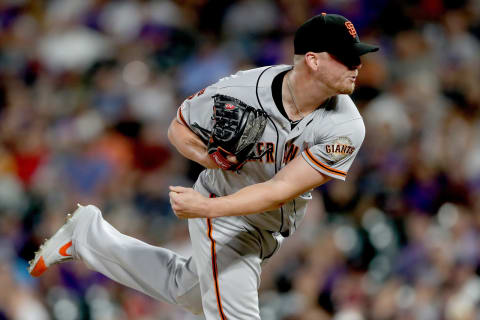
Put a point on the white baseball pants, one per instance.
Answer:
(221, 279)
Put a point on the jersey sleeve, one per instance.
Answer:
(334, 154)
(196, 112)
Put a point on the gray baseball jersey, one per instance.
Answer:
(328, 139)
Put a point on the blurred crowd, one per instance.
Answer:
(89, 87)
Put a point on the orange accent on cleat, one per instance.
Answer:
(39, 268)
(63, 250)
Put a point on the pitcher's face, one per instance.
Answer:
(336, 75)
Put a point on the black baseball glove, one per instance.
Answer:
(236, 130)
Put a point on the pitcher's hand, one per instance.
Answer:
(188, 203)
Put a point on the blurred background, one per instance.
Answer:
(88, 88)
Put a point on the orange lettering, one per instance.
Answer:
(351, 29)
(270, 150)
(260, 148)
(291, 153)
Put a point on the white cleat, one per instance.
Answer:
(57, 249)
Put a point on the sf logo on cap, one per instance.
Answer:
(351, 29)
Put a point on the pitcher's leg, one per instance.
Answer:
(228, 265)
(157, 272)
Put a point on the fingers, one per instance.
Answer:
(178, 189)
(185, 202)
(177, 201)
(174, 200)
(175, 195)
(176, 207)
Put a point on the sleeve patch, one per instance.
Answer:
(340, 148)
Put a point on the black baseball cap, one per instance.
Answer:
(334, 34)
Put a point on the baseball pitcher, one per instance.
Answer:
(266, 137)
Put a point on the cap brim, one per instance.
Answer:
(361, 48)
